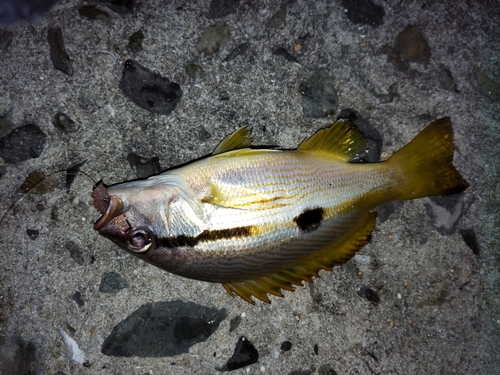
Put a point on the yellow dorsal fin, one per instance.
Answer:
(342, 139)
(304, 271)
(241, 138)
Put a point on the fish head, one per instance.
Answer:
(130, 213)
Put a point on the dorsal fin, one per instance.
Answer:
(326, 258)
(342, 140)
(241, 138)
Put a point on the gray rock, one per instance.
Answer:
(23, 143)
(58, 55)
(364, 11)
(20, 355)
(112, 282)
(214, 38)
(149, 90)
(222, 8)
(163, 329)
(319, 96)
(244, 354)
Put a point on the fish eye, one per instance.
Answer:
(139, 241)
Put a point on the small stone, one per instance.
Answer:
(326, 369)
(135, 41)
(93, 13)
(392, 93)
(286, 346)
(203, 134)
(412, 46)
(195, 72)
(277, 21)
(469, 237)
(62, 122)
(364, 12)
(319, 97)
(32, 233)
(488, 86)
(162, 329)
(369, 294)
(77, 297)
(316, 349)
(5, 41)
(6, 123)
(121, 7)
(234, 323)
(237, 51)
(58, 55)
(23, 143)
(143, 167)
(387, 209)
(445, 212)
(446, 80)
(214, 38)
(244, 354)
(284, 53)
(75, 251)
(222, 8)
(149, 90)
(112, 282)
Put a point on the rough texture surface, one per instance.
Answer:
(417, 300)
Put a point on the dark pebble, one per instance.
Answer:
(21, 355)
(365, 12)
(32, 233)
(195, 72)
(445, 212)
(326, 369)
(319, 97)
(5, 40)
(316, 349)
(371, 134)
(412, 46)
(303, 372)
(62, 122)
(93, 13)
(77, 297)
(244, 354)
(135, 41)
(369, 294)
(6, 123)
(446, 80)
(58, 55)
(237, 51)
(277, 21)
(391, 94)
(33, 180)
(234, 323)
(162, 329)
(286, 346)
(387, 209)
(398, 62)
(149, 90)
(469, 237)
(121, 7)
(23, 143)
(284, 53)
(75, 251)
(214, 38)
(488, 86)
(112, 282)
(143, 167)
(222, 8)
(71, 174)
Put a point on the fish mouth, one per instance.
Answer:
(108, 206)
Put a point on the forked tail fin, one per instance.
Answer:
(427, 163)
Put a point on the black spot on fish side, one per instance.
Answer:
(207, 235)
(310, 219)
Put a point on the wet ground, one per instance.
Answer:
(113, 91)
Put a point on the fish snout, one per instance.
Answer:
(109, 206)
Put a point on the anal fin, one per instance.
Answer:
(332, 255)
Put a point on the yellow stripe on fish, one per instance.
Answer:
(260, 221)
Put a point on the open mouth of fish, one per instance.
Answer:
(108, 206)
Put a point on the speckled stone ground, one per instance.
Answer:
(416, 300)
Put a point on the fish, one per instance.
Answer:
(261, 221)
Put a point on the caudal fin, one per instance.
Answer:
(427, 163)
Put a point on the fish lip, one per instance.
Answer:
(108, 206)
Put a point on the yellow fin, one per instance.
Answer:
(426, 163)
(241, 138)
(342, 139)
(326, 258)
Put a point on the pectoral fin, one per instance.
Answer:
(326, 258)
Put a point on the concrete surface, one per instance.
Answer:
(438, 309)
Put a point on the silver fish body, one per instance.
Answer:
(259, 221)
